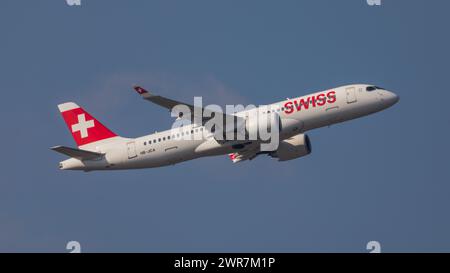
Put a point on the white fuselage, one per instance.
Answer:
(297, 116)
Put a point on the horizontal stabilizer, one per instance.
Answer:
(77, 153)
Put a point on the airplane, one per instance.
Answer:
(101, 149)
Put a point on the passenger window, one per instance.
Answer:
(154, 141)
(159, 139)
(168, 137)
(145, 143)
(192, 131)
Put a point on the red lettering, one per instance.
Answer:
(305, 104)
(331, 97)
(298, 106)
(288, 107)
(321, 99)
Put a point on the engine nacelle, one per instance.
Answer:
(294, 147)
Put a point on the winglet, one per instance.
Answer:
(234, 157)
(140, 90)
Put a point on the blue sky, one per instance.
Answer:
(383, 177)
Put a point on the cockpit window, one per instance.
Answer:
(373, 88)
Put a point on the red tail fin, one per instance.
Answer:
(85, 129)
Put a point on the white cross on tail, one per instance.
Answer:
(82, 126)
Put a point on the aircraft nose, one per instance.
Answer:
(393, 98)
(390, 98)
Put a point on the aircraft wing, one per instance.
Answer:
(204, 113)
(77, 153)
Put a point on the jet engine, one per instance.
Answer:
(294, 147)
